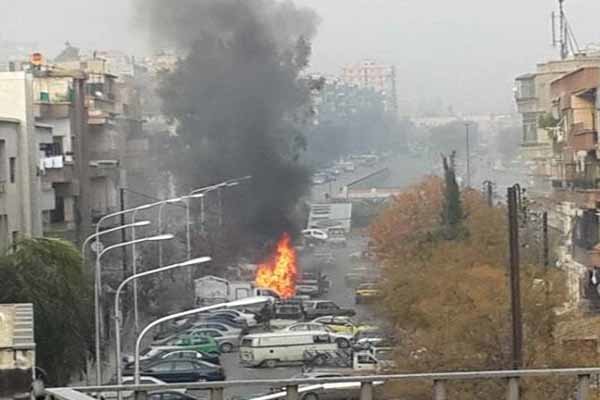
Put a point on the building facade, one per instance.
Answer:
(380, 77)
(559, 107)
(20, 181)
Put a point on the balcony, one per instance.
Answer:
(52, 110)
(583, 138)
(104, 169)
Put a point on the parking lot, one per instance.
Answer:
(339, 293)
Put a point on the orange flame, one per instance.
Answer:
(279, 273)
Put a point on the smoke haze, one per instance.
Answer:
(238, 100)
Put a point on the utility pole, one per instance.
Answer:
(514, 273)
(468, 155)
(488, 187)
(546, 245)
(123, 233)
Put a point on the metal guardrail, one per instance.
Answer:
(439, 383)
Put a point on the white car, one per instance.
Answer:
(317, 234)
(248, 317)
(343, 340)
(129, 380)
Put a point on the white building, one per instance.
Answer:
(21, 199)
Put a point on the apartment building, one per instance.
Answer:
(534, 102)
(559, 108)
(20, 182)
(380, 77)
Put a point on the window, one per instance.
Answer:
(526, 88)
(162, 367)
(12, 167)
(2, 161)
(183, 366)
(366, 359)
(298, 328)
(172, 396)
(322, 339)
(530, 126)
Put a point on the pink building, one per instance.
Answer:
(380, 77)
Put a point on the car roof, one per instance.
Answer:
(273, 334)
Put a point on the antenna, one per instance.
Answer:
(566, 38)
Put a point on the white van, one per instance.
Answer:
(269, 349)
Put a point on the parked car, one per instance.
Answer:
(171, 353)
(184, 370)
(308, 288)
(204, 344)
(286, 313)
(225, 319)
(315, 234)
(318, 308)
(227, 342)
(340, 324)
(319, 179)
(343, 340)
(129, 380)
(245, 318)
(228, 329)
(169, 395)
(366, 292)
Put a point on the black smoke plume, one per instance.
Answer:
(239, 101)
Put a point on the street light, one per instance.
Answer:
(98, 289)
(232, 304)
(160, 204)
(207, 189)
(195, 261)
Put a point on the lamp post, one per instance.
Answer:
(160, 205)
(232, 304)
(195, 261)
(96, 288)
(219, 186)
(97, 292)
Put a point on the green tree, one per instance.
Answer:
(48, 273)
(452, 211)
(449, 303)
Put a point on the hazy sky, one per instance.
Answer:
(464, 52)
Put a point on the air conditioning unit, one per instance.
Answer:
(2, 187)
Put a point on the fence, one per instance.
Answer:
(438, 381)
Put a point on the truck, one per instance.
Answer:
(210, 290)
(372, 360)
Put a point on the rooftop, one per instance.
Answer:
(16, 326)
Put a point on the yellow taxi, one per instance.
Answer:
(366, 292)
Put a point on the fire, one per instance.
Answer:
(279, 273)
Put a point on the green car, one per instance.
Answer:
(204, 344)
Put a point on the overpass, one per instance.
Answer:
(295, 388)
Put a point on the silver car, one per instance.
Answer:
(227, 329)
(343, 340)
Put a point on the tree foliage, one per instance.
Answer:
(449, 300)
(48, 273)
(452, 212)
